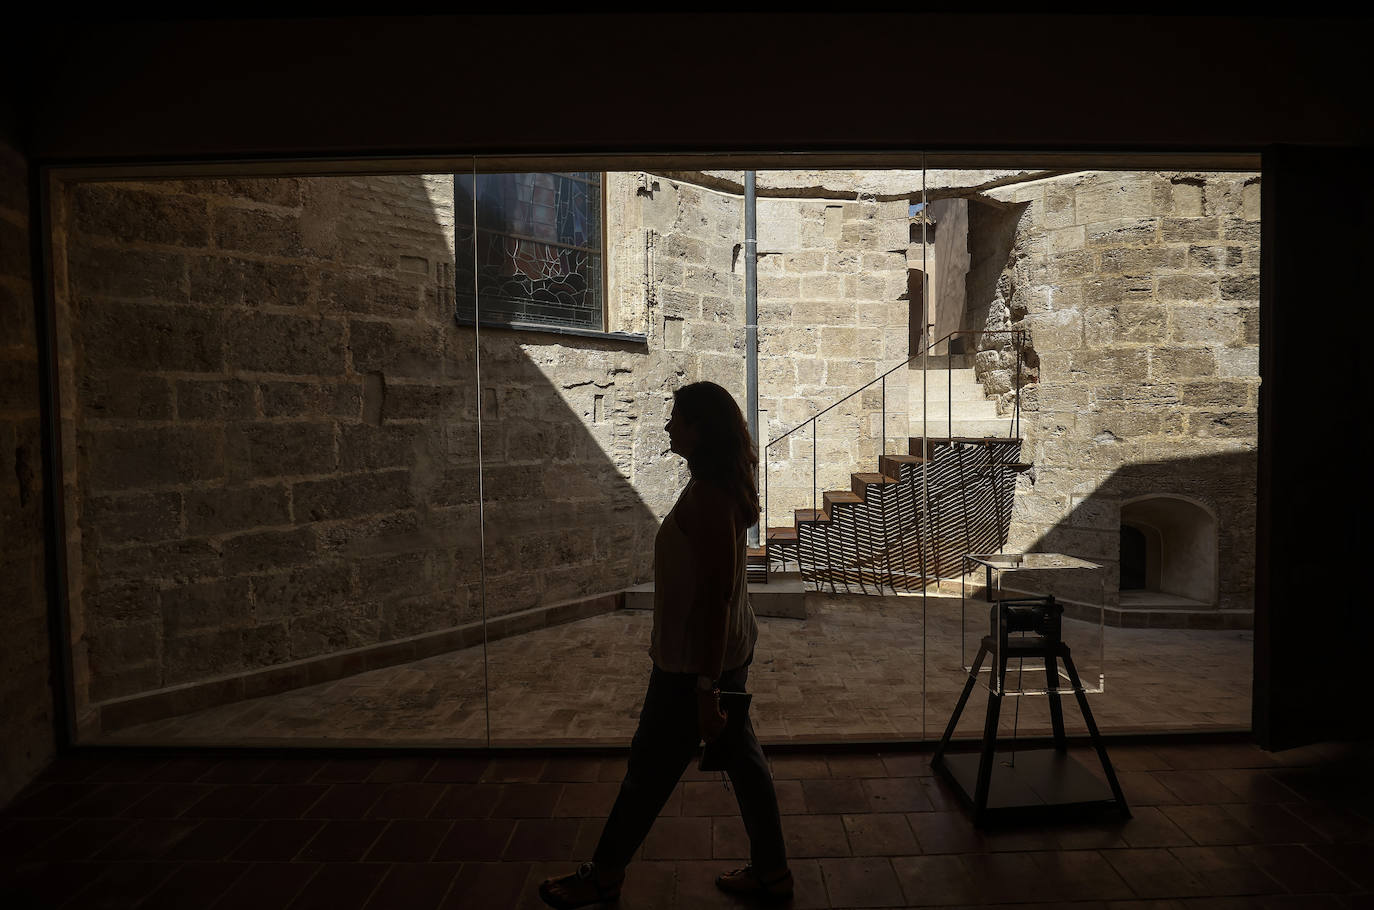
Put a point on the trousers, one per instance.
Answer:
(663, 745)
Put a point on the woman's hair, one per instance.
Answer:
(724, 455)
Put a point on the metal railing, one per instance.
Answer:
(1018, 337)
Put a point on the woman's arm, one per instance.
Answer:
(713, 532)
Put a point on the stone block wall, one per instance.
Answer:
(1141, 293)
(26, 694)
(271, 417)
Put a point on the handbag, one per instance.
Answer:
(721, 752)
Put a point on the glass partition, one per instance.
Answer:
(381, 459)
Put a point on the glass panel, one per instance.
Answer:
(274, 510)
(576, 468)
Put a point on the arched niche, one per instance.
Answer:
(1170, 544)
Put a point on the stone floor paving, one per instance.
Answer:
(1214, 826)
(857, 669)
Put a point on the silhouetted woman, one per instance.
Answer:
(702, 643)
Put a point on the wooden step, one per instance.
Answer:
(891, 465)
(914, 442)
(801, 515)
(756, 552)
(835, 498)
(858, 482)
(782, 534)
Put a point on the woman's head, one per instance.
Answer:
(708, 429)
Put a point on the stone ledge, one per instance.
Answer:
(144, 707)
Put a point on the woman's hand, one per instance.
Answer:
(710, 721)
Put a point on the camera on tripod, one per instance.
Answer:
(1035, 615)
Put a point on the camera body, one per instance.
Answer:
(1033, 615)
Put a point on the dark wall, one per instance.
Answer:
(26, 700)
(691, 82)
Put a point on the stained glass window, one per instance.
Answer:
(538, 255)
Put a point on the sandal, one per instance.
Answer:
(578, 890)
(747, 882)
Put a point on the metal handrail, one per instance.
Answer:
(1016, 412)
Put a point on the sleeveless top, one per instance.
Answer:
(677, 642)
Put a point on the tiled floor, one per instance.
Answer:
(853, 670)
(1214, 826)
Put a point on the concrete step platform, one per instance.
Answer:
(783, 596)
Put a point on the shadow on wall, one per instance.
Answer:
(1197, 555)
(272, 418)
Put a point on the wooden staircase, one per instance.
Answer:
(909, 524)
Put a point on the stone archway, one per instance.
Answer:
(1172, 542)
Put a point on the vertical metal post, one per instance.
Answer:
(883, 431)
(751, 319)
(813, 468)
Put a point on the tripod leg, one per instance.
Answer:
(1094, 735)
(959, 707)
(989, 756)
(1056, 708)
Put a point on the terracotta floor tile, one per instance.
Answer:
(1225, 871)
(290, 771)
(194, 884)
(907, 764)
(850, 765)
(514, 770)
(791, 797)
(1209, 825)
(345, 771)
(466, 769)
(815, 836)
(111, 800)
(527, 800)
(563, 769)
(1355, 861)
(1149, 826)
(1198, 788)
(880, 834)
(695, 882)
(1154, 872)
(345, 801)
(45, 800)
(265, 885)
(542, 840)
(401, 770)
(169, 801)
(1256, 785)
(787, 767)
(683, 837)
(83, 839)
(1081, 875)
(708, 798)
(278, 840)
(475, 840)
(487, 885)
(1298, 869)
(21, 836)
(833, 797)
(414, 886)
(861, 882)
(407, 800)
(897, 794)
(1008, 877)
(343, 840)
(213, 839)
(41, 884)
(409, 840)
(123, 885)
(466, 801)
(286, 801)
(226, 801)
(935, 880)
(149, 840)
(236, 771)
(649, 884)
(341, 886)
(945, 832)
